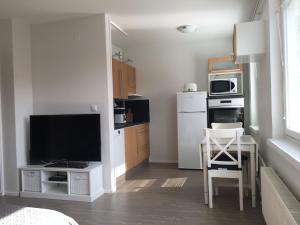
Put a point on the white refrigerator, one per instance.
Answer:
(191, 121)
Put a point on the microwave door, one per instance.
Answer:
(233, 87)
(219, 87)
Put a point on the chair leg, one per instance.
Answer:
(246, 175)
(249, 171)
(216, 189)
(241, 190)
(210, 191)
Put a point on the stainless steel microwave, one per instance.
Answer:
(225, 86)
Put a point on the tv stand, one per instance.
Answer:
(68, 164)
(85, 184)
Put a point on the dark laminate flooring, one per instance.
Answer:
(158, 195)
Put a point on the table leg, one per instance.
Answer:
(253, 176)
(205, 174)
(256, 157)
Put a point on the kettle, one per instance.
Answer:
(190, 87)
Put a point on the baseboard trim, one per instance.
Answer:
(162, 161)
(11, 193)
(108, 191)
(261, 160)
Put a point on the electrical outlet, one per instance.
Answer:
(94, 108)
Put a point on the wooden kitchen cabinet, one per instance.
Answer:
(131, 80)
(120, 87)
(124, 79)
(142, 132)
(137, 148)
(131, 152)
(116, 72)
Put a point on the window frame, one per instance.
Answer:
(290, 133)
(253, 93)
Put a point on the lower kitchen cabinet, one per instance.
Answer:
(136, 145)
(130, 147)
(142, 134)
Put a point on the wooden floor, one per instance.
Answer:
(158, 195)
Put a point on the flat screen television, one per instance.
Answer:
(65, 137)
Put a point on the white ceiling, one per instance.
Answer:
(144, 20)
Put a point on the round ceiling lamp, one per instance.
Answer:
(189, 28)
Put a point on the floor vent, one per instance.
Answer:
(279, 205)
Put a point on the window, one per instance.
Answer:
(292, 68)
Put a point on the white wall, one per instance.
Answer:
(270, 103)
(1, 143)
(269, 80)
(72, 70)
(253, 94)
(22, 87)
(8, 108)
(162, 71)
(16, 98)
(263, 87)
(276, 71)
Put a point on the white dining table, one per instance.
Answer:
(248, 145)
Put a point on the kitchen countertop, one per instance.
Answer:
(128, 124)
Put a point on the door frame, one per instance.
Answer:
(2, 191)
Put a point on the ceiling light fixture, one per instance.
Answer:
(189, 28)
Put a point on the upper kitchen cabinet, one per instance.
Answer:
(119, 68)
(123, 79)
(248, 41)
(131, 85)
(119, 79)
(116, 67)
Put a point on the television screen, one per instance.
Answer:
(65, 137)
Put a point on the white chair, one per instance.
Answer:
(223, 164)
(244, 157)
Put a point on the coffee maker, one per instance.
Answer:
(120, 115)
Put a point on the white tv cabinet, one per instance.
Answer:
(81, 185)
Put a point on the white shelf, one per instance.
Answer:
(91, 166)
(81, 185)
(57, 190)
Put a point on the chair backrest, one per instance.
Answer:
(222, 139)
(226, 125)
